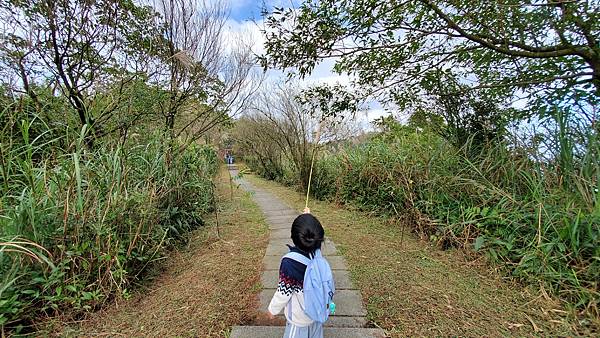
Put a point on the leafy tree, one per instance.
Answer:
(474, 119)
(80, 45)
(547, 49)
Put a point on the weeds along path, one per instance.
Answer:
(204, 289)
(410, 288)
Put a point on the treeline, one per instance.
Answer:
(107, 114)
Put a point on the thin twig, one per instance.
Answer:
(403, 225)
(214, 200)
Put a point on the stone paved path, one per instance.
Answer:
(349, 319)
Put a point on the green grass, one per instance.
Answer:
(93, 220)
(538, 222)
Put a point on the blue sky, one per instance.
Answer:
(242, 10)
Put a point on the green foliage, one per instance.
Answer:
(502, 203)
(91, 192)
(474, 118)
(103, 217)
(549, 51)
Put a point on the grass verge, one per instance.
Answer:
(204, 289)
(413, 289)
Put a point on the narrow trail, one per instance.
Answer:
(349, 320)
(219, 287)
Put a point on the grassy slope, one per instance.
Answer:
(204, 289)
(413, 289)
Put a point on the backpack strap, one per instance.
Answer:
(298, 257)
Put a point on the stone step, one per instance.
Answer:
(280, 212)
(270, 278)
(279, 248)
(274, 210)
(328, 332)
(348, 302)
(281, 233)
(287, 219)
(346, 321)
(340, 321)
(270, 207)
(268, 203)
(265, 196)
(280, 226)
(335, 262)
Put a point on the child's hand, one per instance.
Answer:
(270, 315)
(306, 210)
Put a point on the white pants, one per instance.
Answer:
(314, 330)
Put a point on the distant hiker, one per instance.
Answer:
(306, 287)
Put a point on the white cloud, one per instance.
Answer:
(246, 30)
(321, 74)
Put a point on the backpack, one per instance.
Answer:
(318, 287)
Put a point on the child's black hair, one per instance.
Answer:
(307, 233)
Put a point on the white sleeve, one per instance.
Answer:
(279, 301)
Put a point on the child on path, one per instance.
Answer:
(307, 235)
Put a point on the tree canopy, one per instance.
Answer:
(545, 51)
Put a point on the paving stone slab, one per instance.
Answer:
(279, 218)
(265, 195)
(270, 278)
(340, 321)
(279, 249)
(329, 332)
(335, 262)
(348, 302)
(280, 226)
(271, 202)
(280, 233)
(280, 213)
(346, 321)
(280, 222)
(270, 206)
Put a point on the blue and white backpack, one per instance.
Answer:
(319, 287)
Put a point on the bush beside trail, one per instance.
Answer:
(501, 202)
(81, 227)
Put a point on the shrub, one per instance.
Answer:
(77, 229)
(515, 209)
